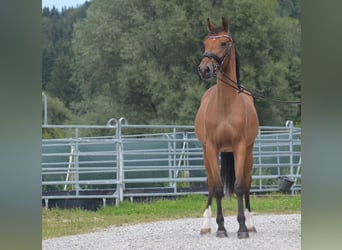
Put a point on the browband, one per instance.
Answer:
(220, 36)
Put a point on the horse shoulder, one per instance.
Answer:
(208, 93)
(252, 122)
(201, 114)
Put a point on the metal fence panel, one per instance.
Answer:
(149, 163)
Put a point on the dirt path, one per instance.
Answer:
(279, 232)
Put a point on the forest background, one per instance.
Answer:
(138, 59)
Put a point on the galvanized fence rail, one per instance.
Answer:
(119, 160)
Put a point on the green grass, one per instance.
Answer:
(61, 222)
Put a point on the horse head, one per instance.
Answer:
(217, 47)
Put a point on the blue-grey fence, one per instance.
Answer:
(125, 160)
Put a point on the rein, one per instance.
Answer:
(241, 89)
(236, 85)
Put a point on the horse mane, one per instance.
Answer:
(237, 64)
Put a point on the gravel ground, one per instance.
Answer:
(280, 232)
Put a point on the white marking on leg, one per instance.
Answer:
(249, 221)
(206, 221)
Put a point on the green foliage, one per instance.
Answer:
(57, 114)
(57, 54)
(289, 7)
(138, 59)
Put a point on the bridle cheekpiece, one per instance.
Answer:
(211, 55)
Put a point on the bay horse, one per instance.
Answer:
(227, 124)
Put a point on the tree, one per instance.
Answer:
(142, 54)
(57, 55)
(289, 8)
(139, 59)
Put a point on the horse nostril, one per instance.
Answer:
(205, 71)
(209, 71)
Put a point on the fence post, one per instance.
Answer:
(259, 158)
(45, 109)
(174, 171)
(119, 162)
(120, 159)
(77, 185)
(117, 140)
(170, 159)
(289, 124)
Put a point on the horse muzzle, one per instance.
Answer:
(206, 70)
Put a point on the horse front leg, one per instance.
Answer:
(221, 231)
(206, 226)
(240, 190)
(242, 232)
(215, 188)
(249, 215)
(248, 212)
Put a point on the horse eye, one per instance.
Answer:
(223, 44)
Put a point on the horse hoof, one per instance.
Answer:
(205, 231)
(252, 230)
(221, 234)
(243, 235)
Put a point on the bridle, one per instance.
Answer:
(220, 60)
(227, 52)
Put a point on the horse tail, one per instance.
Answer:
(228, 172)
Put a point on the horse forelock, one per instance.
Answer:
(215, 31)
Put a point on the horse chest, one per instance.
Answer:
(221, 134)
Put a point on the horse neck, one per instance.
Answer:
(227, 91)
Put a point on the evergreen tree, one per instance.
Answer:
(57, 53)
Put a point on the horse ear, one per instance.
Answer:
(210, 25)
(225, 24)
